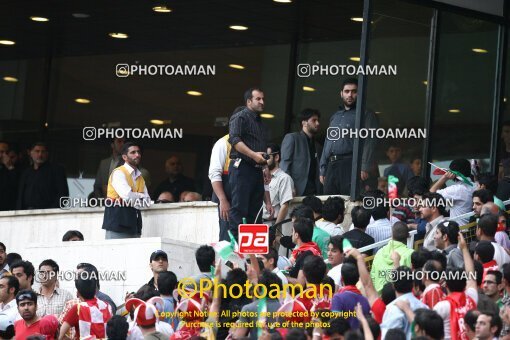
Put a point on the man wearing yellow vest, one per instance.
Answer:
(126, 193)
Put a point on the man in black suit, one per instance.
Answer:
(300, 154)
(42, 184)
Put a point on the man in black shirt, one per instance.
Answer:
(300, 154)
(302, 232)
(42, 184)
(247, 135)
(176, 183)
(357, 236)
(8, 179)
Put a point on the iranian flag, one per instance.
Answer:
(392, 187)
(438, 171)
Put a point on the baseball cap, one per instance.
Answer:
(5, 321)
(157, 254)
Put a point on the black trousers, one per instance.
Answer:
(247, 190)
(338, 177)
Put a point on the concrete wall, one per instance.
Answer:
(123, 264)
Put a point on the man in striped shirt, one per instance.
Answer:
(380, 229)
(247, 135)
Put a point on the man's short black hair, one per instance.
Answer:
(314, 269)
(126, 146)
(332, 208)
(236, 278)
(450, 229)
(12, 282)
(419, 257)
(395, 334)
(28, 268)
(313, 202)
(484, 195)
(495, 321)
(167, 282)
(380, 212)
(430, 322)
(248, 94)
(440, 257)
(12, 257)
(304, 228)
(456, 280)
(26, 294)
(86, 286)
(432, 266)
(400, 232)
(435, 200)
(337, 326)
(337, 242)
(485, 251)
(497, 274)
(488, 224)
(92, 270)
(50, 263)
(404, 284)
(461, 165)
(388, 293)
(308, 113)
(272, 254)
(470, 319)
(506, 272)
(43, 144)
(350, 274)
(3, 246)
(205, 257)
(302, 211)
(360, 217)
(349, 81)
(268, 279)
(275, 148)
(417, 186)
(70, 234)
(489, 180)
(117, 327)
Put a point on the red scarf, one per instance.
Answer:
(351, 289)
(460, 304)
(308, 246)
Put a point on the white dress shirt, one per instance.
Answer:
(218, 160)
(329, 227)
(125, 191)
(462, 196)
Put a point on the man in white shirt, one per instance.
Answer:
(460, 192)
(280, 188)
(9, 287)
(380, 228)
(486, 230)
(432, 210)
(218, 175)
(126, 193)
(332, 216)
(335, 259)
